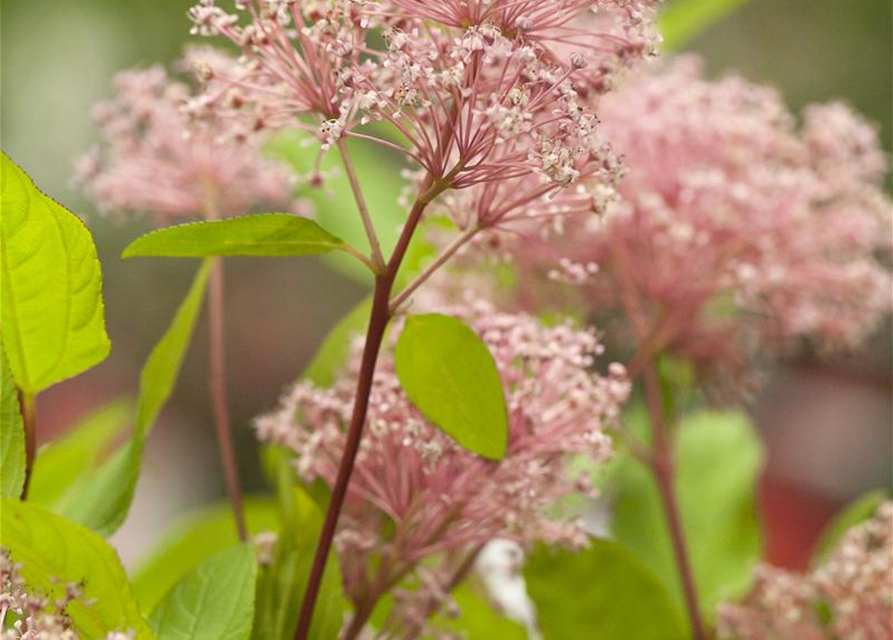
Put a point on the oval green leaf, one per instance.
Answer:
(53, 323)
(12, 435)
(264, 234)
(54, 552)
(601, 592)
(104, 500)
(451, 377)
(213, 602)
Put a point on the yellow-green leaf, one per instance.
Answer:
(682, 20)
(853, 514)
(332, 354)
(192, 541)
(12, 435)
(601, 592)
(53, 324)
(63, 465)
(102, 504)
(54, 552)
(451, 377)
(263, 234)
(215, 601)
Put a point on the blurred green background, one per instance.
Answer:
(58, 57)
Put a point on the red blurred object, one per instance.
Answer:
(794, 518)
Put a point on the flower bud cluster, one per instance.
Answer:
(441, 500)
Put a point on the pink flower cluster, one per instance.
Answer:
(492, 94)
(850, 596)
(156, 158)
(441, 499)
(731, 225)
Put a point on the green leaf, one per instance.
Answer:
(682, 20)
(478, 621)
(332, 354)
(263, 234)
(53, 326)
(63, 465)
(451, 377)
(194, 540)
(160, 373)
(719, 459)
(281, 585)
(334, 205)
(12, 435)
(601, 592)
(105, 499)
(213, 602)
(854, 514)
(54, 552)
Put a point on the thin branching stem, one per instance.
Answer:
(377, 257)
(447, 253)
(379, 319)
(663, 468)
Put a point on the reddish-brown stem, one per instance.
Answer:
(219, 396)
(662, 459)
(378, 322)
(458, 578)
(29, 420)
(360, 617)
(663, 466)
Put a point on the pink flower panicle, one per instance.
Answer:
(496, 92)
(442, 499)
(156, 158)
(36, 616)
(857, 579)
(849, 596)
(729, 222)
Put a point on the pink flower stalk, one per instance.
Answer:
(155, 158)
(480, 92)
(850, 596)
(441, 500)
(731, 226)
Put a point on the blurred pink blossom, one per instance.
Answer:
(731, 227)
(849, 596)
(155, 158)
